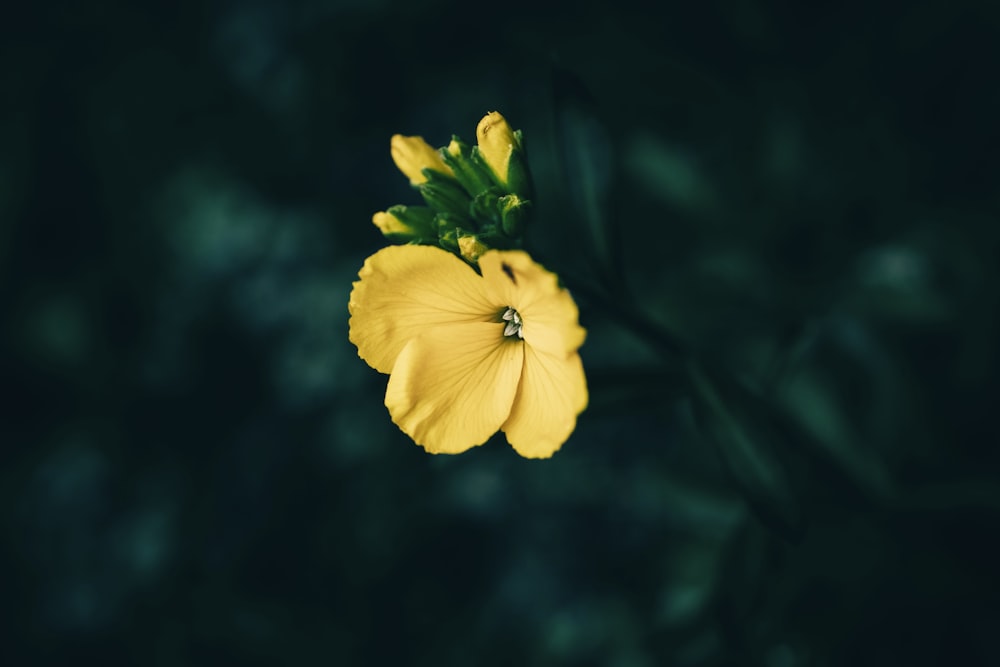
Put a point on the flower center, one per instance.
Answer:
(513, 320)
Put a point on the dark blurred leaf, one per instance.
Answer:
(813, 404)
(672, 176)
(841, 393)
(742, 588)
(740, 426)
(588, 164)
(610, 389)
(15, 162)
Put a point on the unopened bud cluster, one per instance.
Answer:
(477, 197)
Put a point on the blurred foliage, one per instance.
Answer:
(780, 222)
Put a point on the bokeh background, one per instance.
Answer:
(780, 222)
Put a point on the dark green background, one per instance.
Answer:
(196, 468)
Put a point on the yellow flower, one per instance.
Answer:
(471, 354)
(496, 144)
(412, 155)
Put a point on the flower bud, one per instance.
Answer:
(500, 148)
(513, 214)
(445, 195)
(406, 223)
(471, 248)
(413, 155)
(486, 208)
(475, 176)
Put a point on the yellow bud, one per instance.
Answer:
(471, 248)
(390, 224)
(413, 154)
(406, 223)
(496, 143)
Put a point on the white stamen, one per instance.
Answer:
(514, 323)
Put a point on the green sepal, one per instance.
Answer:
(492, 236)
(446, 223)
(474, 177)
(449, 239)
(476, 158)
(518, 176)
(444, 194)
(407, 224)
(514, 213)
(486, 208)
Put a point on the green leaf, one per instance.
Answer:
(740, 425)
(671, 175)
(588, 165)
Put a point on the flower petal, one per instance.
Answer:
(453, 386)
(407, 290)
(553, 391)
(550, 315)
